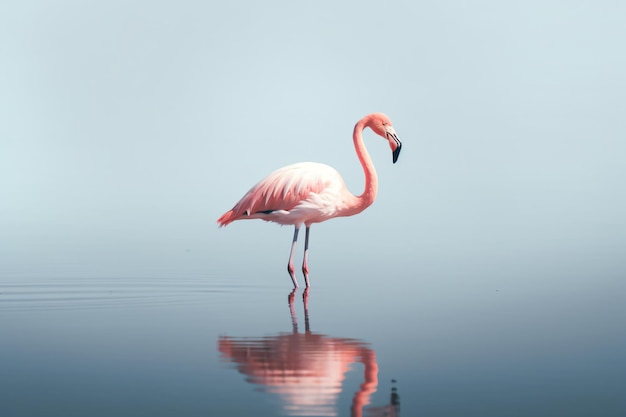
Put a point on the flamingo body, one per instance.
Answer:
(309, 192)
(303, 193)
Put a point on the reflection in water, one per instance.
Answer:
(305, 369)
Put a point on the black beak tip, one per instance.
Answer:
(396, 153)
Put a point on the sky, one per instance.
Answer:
(128, 127)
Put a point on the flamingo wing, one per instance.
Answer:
(283, 189)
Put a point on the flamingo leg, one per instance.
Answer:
(305, 263)
(290, 264)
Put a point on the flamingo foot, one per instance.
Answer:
(305, 271)
(292, 274)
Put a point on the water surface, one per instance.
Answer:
(228, 346)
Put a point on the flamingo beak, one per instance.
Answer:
(394, 143)
(396, 152)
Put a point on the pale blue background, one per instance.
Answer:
(128, 127)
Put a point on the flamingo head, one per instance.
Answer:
(381, 125)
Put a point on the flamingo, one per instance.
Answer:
(310, 192)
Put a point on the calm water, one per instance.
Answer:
(229, 345)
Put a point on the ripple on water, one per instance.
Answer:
(27, 294)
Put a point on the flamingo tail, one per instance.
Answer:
(226, 218)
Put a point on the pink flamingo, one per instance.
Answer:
(310, 192)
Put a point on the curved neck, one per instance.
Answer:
(371, 179)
